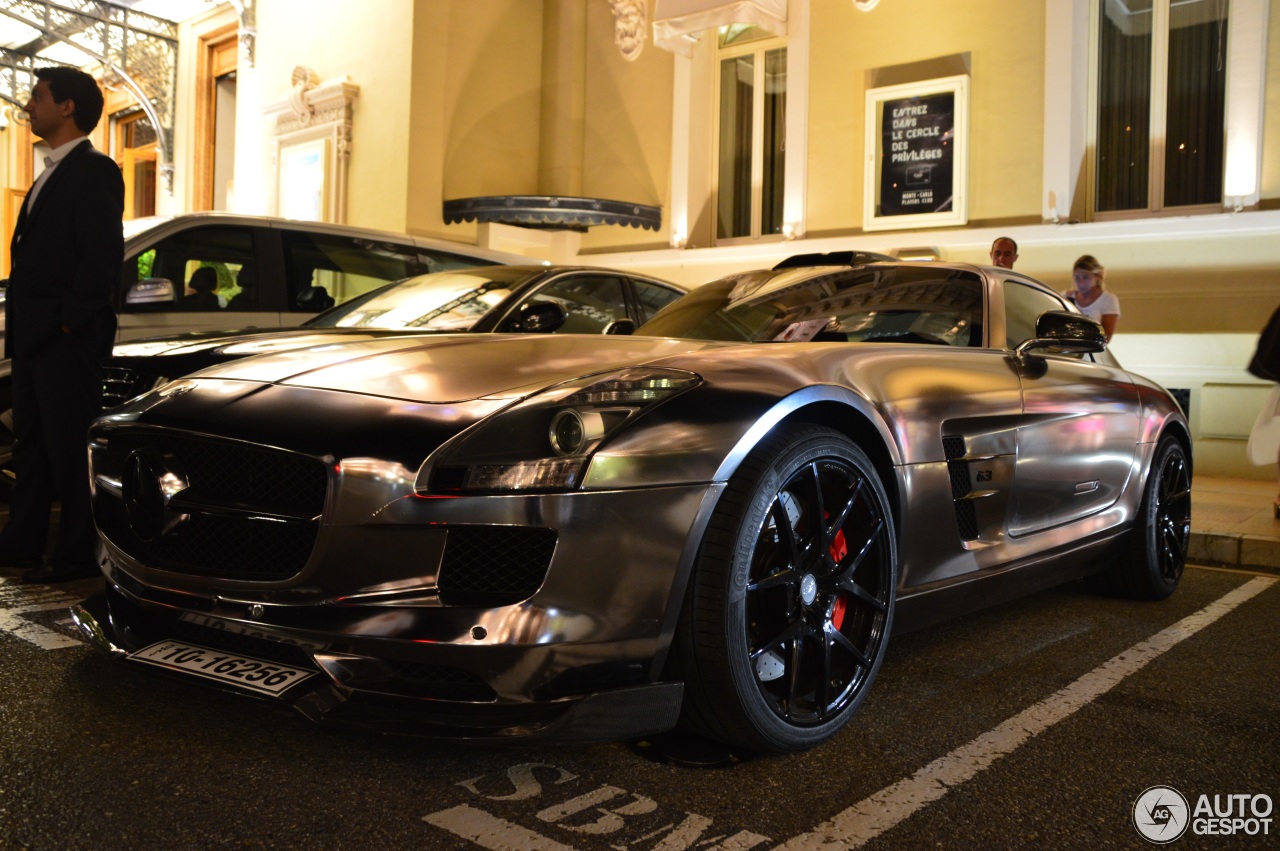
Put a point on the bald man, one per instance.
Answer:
(1004, 251)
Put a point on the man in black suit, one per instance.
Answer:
(65, 255)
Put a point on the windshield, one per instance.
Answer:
(444, 301)
(869, 304)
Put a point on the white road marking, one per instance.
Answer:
(885, 809)
(16, 601)
(490, 831)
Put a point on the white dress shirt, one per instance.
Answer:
(50, 163)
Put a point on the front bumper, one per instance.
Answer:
(111, 623)
(580, 659)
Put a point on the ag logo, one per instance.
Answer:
(1161, 814)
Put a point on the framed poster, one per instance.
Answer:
(917, 172)
(303, 192)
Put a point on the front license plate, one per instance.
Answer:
(245, 672)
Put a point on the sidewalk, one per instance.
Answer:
(1232, 524)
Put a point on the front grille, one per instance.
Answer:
(226, 472)
(494, 565)
(251, 511)
(120, 384)
(227, 547)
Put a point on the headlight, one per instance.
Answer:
(546, 441)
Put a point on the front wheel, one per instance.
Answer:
(789, 610)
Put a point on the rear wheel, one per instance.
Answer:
(1150, 566)
(789, 611)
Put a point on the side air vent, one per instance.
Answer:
(958, 469)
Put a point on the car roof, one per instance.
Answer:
(765, 281)
(136, 229)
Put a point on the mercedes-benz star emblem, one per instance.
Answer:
(150, 482)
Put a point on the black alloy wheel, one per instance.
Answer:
(792, 603)
(1171, 515)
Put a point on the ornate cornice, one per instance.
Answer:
(313, 104)
(551, 212)
(314, 113)
(630, 22)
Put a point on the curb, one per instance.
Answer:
(1251, 552)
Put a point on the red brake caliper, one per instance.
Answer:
(839, 549)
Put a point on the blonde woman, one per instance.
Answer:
(1089, 295)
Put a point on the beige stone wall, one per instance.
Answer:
(374, 54)
(492, 86)
(1271, 114)
(1172, 284)
(998, 42)
(427, 128)
(454, 104)
(627, 155)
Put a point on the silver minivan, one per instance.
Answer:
(216, 271)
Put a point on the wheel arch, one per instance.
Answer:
(839, 409)
(1174, 427)
(1178, 430)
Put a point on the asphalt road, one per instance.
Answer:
(1038, 723)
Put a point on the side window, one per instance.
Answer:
(592, 302)
(323, 269)
(1022, 306)
(653, 297)
(198, 269)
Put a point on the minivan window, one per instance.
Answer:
(196, 269)
(323, 269)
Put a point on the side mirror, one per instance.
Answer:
(1065, 333)
(542, 317)
(621, 326)
(150, 291)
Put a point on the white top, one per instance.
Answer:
(1105, 304)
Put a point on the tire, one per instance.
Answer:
(1150, 564)
(786, 621)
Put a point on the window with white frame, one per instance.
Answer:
(1160, 94)
(751, 133)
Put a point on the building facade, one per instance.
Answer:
(695, 138)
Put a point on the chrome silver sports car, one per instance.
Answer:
(718, 523)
